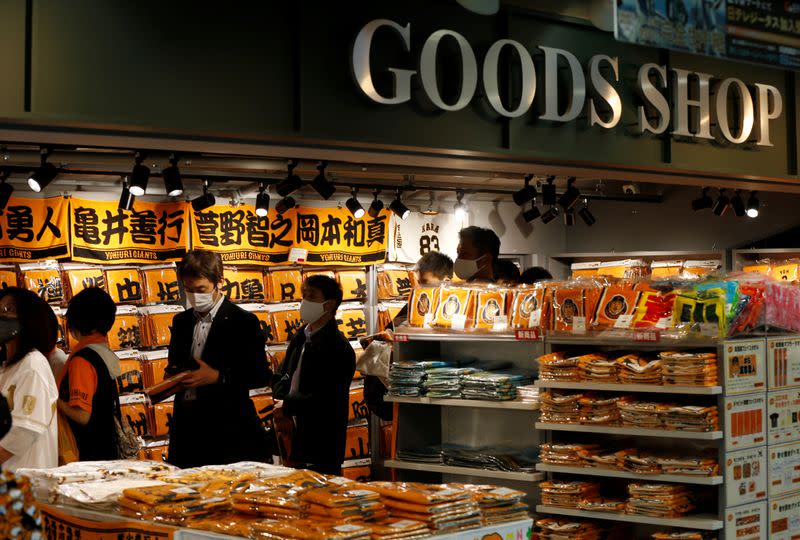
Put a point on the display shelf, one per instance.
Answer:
(704, 522)
(463, 471)
(597, 341)
(470, 403)
(619, 387)
(632, 431)
(411, 334)
(613, 473)
(741, 256)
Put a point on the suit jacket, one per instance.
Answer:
(321, 403)
(220, 425)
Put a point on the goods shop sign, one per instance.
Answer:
(679, 102)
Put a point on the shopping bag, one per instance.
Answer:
(67, 445)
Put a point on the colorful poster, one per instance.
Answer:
(744, 364)
(783, 411)
(34, 229)
(332, 236)
(148, 233)
(748, 522)
(783, 363)
(784, 518)
(418, 234)
(746, 476)
(240, 236)
(745, 421)
(784, 469)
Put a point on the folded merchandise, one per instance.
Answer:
(594, 409)
(492, 385)
(407, 378)
(557, 367)
(175, 512)
(274, 502)
(528, 393)
(490, 458)
(227, 523)
(691, 418)
(706, 465)
(396, 529)
(659, 500)
(340, 496)
(683, 535)
(445, 382)
(559, 407)
(431, 454)
(564, 529)
(570, 455)
(419, 493)
(568, 494)
(598, 368)
(632, 460)
(642, 414)
(689, 369)
(633, 369)
(308, 529)
(601, 459)
(602, 505)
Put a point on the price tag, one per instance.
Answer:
(298, 255)
(528, 334)
(624, 321)
(535, 319)
(402, 338)
(664, 323)
(458, 322)
(427, 320)
(646, 336)
(579, 325)
(500, 323)
(710, 330)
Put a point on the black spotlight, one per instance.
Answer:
(397, 206)
(172, 177)
(527, 193)
(753, 205)
(285, 204)
(140, 175)
(353, 205)
(738, 204)
(291, 183)
(322, 185)
(549, 192)
(570, 197)
(206, 200)
(126, 198)
(569, 217)
(551, 214)
(46, 173)
(532, 213)
(376, 206)
(722, 204)
(262, 201)
(704, 202)
(586, 214)
(6, 190)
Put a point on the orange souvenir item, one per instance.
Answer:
(244, 285)
(156, 325)
(699, 269)
(357, 442)
(393, 281)
(354, 284)
(130, 378)
(527, 307)
(156, 453)
(276, 355)
(136, 415)
(352, 321)
(568, 303)
(160, 284)
(387, 311)
(358, 407)
(627, 269)
(357, 474)
(8, 276)
(784, 270)
(264, 407)
(161, 416)
(328, 273)
(758, 267)
(284, 285)
(285, 322)
(44, 279)
(262, 313)
(422, 304)
(617, 300)
(124, 285)
(126, 332)
(490, 305)
(456, 308)
(153, 365)
(77, 277)
(665, 269)
(586, 269)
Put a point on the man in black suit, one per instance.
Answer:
(314, 380)
(221, 345)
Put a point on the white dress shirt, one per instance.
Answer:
(200, 336)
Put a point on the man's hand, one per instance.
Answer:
(277, 404)
(202, 376)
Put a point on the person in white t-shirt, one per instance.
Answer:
(27, 383)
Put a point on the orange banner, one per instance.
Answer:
(334, 236)
(148, 233)
(34, 229)
(240, 236)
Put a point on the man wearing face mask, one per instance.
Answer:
(222, 348)
(478, 250)
(314, 380)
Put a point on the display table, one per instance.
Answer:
(72, 522)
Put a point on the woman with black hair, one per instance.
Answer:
(87, 387)
(26, 381)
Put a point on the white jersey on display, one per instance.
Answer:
(419, 234)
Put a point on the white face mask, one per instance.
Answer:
(201, 302)
(466, 269)
(311, 312)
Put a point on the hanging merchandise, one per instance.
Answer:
(131, 379)
(124, 284)
(34, 229)
(353, 283)
(352, 320)
(422, 306)
(77, 277)
(244, 284)
(286, 322)
(419, 234)
(284, 284)
(156, 325)
(133, 408)
(44, 279)
(126, 332)
(160, 283)
(8, 276)
(394, 281)
(262, 312)
(154, 363)
(160, 416)
(333, 236)
(148, 233)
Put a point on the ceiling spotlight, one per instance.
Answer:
(460, 209)
(722, 204)
(551, 214)
(204, 201)
(738, 204)
(532, 213)
(140, 175)
(527, 193)
(570, 197)
(376, 206)
(285, 204)
(569, 217)
(397, 206)
(46, 173)
(126, 198)
(262, 201)
(172, 177)
(353, 205)
(704, 202)
(322, 185)
(291, 183)
(6, 189)
(430, 210)
(587, 215)
(549, 192)
(753, 205)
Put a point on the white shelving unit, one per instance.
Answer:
(464, 471)
(703, 522)
(614, 473)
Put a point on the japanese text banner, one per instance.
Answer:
(240, 236)
(34, 229)
(148, 233)
(334, 236)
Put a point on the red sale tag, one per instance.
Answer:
(646, 336)
(528, 334)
